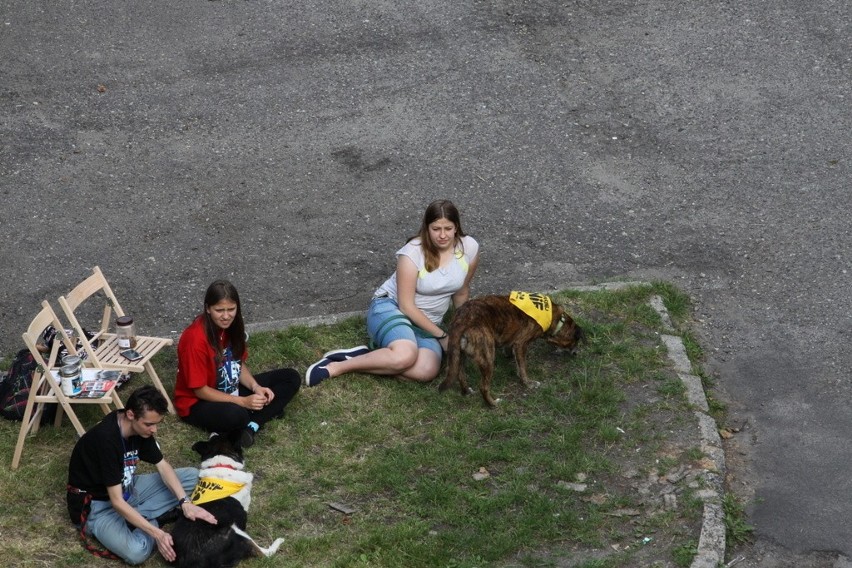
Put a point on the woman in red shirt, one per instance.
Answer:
(215, 390)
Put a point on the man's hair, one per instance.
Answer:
(147, 398)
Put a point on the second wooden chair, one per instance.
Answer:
(103, 350)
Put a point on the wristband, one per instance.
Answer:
(442, 337)
(183, 500)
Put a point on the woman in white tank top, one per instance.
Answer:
(404, 319)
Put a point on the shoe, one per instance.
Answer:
(317, 373)
(247, 438)
(344, 354)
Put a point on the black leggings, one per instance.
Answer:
(228, 416)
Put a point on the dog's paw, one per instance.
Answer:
(468, 390)
(535, 384)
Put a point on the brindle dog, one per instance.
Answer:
(482, 324)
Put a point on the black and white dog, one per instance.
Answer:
(224, 489)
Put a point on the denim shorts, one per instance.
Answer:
(383, 309)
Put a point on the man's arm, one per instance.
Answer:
(190, 511)
(164, 540)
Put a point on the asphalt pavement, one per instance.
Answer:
(292, 147)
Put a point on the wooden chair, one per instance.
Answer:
(45, 388)
(103, 350)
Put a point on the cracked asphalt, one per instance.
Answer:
(292, 148)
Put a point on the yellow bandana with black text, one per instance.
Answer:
(210, 489)
(537, 306)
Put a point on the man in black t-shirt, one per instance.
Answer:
(118, 507)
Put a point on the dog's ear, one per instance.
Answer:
(235, 438)
(200, 447)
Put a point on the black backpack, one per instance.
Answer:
(15, 388)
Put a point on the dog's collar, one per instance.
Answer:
(559, 324)
(221, 460)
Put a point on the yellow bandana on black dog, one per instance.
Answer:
(537, 306)
(210, 489)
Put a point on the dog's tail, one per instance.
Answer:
(455, 349)
(260, 550)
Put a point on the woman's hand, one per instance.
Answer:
(253, 401)
(444, 341)
(266, 393)
(260, 397)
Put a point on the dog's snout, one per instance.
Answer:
(579, 336)
(568, 350)
(568, 341)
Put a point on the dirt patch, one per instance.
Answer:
(649, 499)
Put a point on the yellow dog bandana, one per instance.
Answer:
(210, 489)
(537, 306)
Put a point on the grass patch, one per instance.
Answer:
(737, 530)
(567, 470)
(684, 554)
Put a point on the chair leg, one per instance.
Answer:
(26, 426)
(116, 400)
(35, 417)
(149, 368)
(57, 422)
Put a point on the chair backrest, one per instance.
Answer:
(83, 291)
(32, 337)
(44, 388)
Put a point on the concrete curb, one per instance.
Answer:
(711, 544)
(309, 321)
(312, 321)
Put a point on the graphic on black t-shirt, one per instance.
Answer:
(131, 462)
(229, 373)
